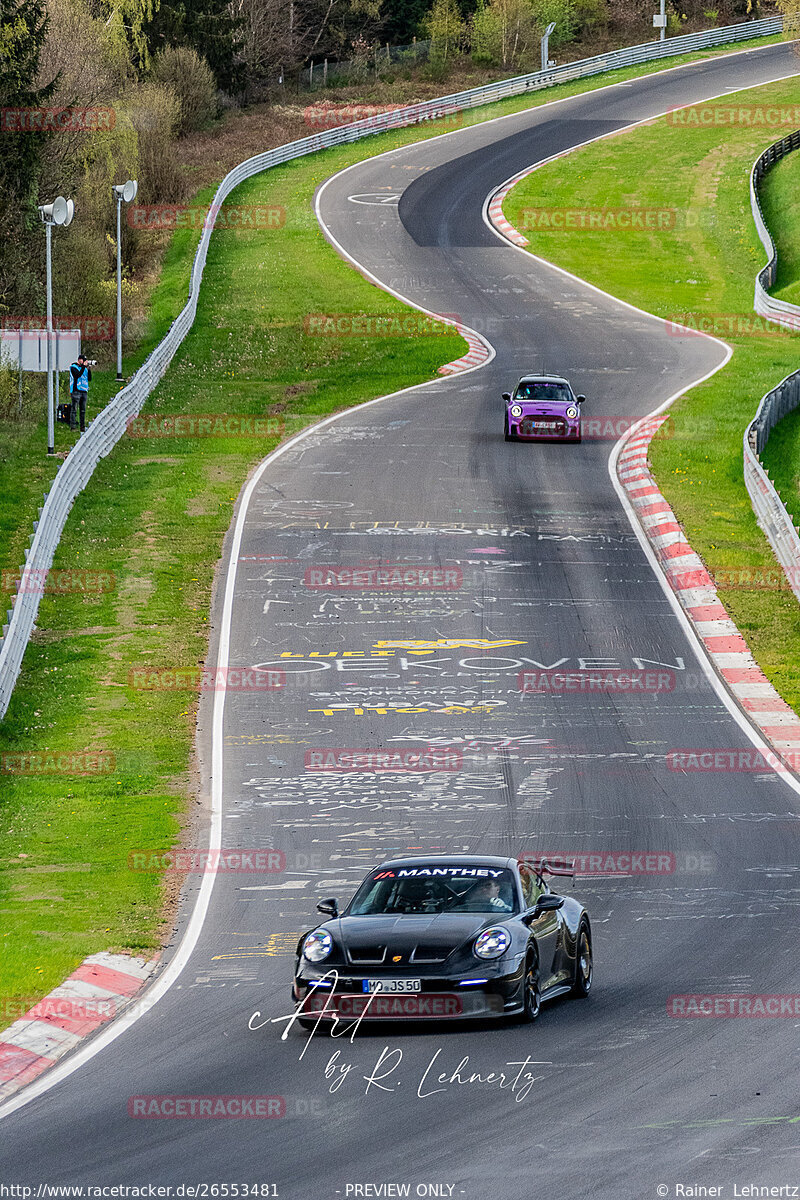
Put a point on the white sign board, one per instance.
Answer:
(28, 348)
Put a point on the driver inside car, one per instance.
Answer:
(488, 896)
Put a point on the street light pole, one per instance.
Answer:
(127, 192)
(51, 428)
(60, 212)
(546, 45)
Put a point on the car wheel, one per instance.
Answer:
(506, 434)
(584, 967)
(531, 991)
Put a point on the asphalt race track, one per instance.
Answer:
(610, 1097)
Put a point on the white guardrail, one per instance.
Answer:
(770, 510)
(107, 429)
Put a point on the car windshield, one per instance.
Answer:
(436, 889)
(543, 391)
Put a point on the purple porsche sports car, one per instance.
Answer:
(543, 408)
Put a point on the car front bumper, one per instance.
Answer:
(440, 997)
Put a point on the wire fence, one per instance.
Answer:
(106, 430)
(375, 61)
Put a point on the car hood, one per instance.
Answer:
(430, 938)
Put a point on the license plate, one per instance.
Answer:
(545, 425)
(392, 985)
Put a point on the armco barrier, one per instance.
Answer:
(767, 504)
(769, 508)
(106, 430)
(764, 304)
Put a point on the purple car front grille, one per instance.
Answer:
(544, 426)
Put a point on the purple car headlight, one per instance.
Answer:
(516, 411)
(572, 412)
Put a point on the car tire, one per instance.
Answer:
(531, 991)
(584, 963)
(506, 434)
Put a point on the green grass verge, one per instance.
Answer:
(154, 516)
(780, 202)
(703, 266)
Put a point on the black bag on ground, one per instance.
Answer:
(62, 413)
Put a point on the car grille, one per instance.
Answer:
(557, 426)
(430, 954)
(367, 954)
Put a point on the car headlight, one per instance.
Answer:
(516, 411)
(492, 943)
(317, 946)
(572, 412)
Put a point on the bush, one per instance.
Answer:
(154, 112)
(191, 79)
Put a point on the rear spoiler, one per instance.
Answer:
(548, 864)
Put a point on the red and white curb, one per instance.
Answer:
(685, 571)
(498, 217)
(694, 587)
(478, 352)
(97, 991)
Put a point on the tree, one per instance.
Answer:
(213, 28)
(445, 28)
(126, 21)
(504, 32)
(23, 28)
(791, 13)
(404, 21)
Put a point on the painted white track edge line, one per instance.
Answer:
(175, 966)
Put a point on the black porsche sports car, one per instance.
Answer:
(447, 936)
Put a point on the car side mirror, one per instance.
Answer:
(579, 399)
(329, 907)
(506, 395)
(548, 902)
